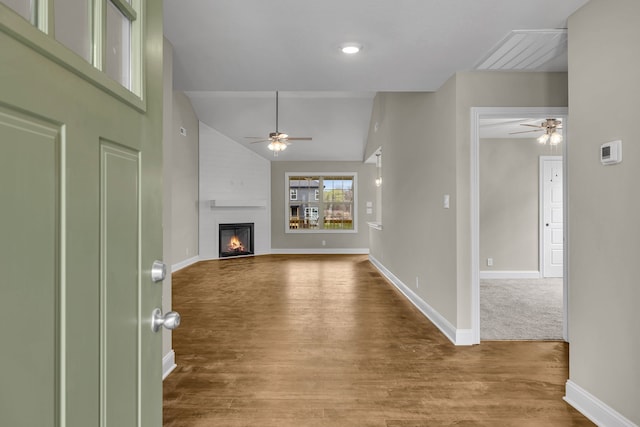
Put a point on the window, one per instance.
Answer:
(118, 45)
(322, 203)
(106, 34)
(24, 8)
(73, 26)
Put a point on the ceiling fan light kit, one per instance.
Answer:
(276, 146)
(555, 138)
(542, 139)
(550, 128)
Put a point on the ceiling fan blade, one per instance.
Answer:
(262, 140)
(295, 138)
(253, 137)
(533, 126)
(526, 131)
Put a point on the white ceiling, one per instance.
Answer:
(226, 48)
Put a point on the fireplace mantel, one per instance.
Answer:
(225, 203)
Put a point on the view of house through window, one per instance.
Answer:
(319, 202)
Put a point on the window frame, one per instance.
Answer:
(39, 34)
(320, 203)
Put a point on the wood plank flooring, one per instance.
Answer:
(326, 341)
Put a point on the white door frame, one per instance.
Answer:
(541, 222)
(478, 113)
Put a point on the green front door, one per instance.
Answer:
(80, 226)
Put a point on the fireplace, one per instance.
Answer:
(236, 239)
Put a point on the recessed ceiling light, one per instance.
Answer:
(351, 48)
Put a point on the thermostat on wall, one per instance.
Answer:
(611, 152)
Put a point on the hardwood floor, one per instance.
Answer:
(326, 341)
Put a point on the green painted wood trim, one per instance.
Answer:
(118, 161)
(137, 52)
(99, 33)
(44, 18)
(54, 132)
(15, 26)
(62, 275)
(126, 9)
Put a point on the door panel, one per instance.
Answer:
(29, 189)
(80, 225)
(119, 285)
(552, 219)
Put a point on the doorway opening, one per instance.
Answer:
(507, 233)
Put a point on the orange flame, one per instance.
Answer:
(235, 245)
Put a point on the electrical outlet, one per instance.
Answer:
(417, 282)
(324, 243)
(490, 262)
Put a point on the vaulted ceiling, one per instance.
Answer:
(230, 56)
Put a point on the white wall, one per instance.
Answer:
(604, 207)
(180, 187)
(229, 171)
(184, 180)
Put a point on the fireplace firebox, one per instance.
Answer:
(236, 239)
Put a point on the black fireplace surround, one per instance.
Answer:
(235, 239)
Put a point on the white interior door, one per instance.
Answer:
(552, 217)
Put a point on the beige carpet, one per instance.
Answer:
(521, 309)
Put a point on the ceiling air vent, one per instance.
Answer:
(527, 50)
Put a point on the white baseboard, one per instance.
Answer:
(186, 263)
(168, 363)
(464, 337)
(456, 336)
(593, 408)
(491, 274)
(321, 251)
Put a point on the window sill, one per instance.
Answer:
(318, 231)
(222, 203)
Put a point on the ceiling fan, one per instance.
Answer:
(550, 127)
(278, 141)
